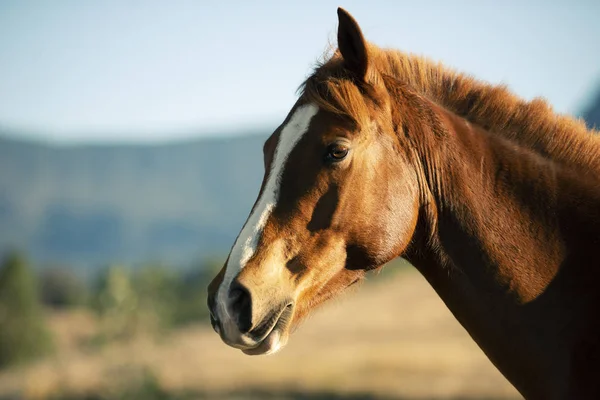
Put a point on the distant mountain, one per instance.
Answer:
(93, 204)
(591, 114)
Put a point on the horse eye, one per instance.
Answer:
(336, 152)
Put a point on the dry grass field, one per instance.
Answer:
(393, 339)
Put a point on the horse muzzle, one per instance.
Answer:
(244, 325)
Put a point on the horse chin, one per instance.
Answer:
(274, 342)
(277, 338)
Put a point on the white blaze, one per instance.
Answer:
(246, 243)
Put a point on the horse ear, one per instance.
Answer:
(352, 44)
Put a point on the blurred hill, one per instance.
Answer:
(591, 113)
(86, 205)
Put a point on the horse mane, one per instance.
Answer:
(530, 124)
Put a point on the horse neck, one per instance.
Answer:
(489, 241)
(495, 206)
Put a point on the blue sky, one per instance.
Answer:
(153, 70)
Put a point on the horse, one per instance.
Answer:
(493, 199)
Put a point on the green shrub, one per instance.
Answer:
(23, 335)
(157, 290)
(62, 288)
(117, 304)
(193, 291)
(151, 299)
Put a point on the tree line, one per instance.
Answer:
(150, 299)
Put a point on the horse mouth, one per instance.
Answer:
(272, 334)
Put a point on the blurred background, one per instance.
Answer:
(130, 155)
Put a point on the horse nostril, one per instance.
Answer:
(241, 306)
